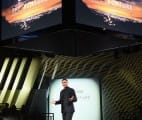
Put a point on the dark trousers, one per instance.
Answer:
(67, 116)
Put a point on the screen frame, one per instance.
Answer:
(94, 26)
(35, 29)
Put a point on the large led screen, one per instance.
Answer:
(23, 16)
(88, 105)
(119, 15)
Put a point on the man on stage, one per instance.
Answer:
(67, 97)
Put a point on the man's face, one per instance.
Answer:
(64, 83)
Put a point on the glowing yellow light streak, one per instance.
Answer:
(4, 91)
(6, 61)
(28, 83)
(17, 80)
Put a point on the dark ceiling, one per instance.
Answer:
(75, 42)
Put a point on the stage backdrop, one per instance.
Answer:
(88, 105)
(121, 79)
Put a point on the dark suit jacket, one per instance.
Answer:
(66, 105)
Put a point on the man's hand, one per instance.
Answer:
(53, 102)
(71, 99)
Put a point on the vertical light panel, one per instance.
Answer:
(4, 91)
(16, 81)
(6, 61)
(28, 83)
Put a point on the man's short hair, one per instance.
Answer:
(64, 79)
